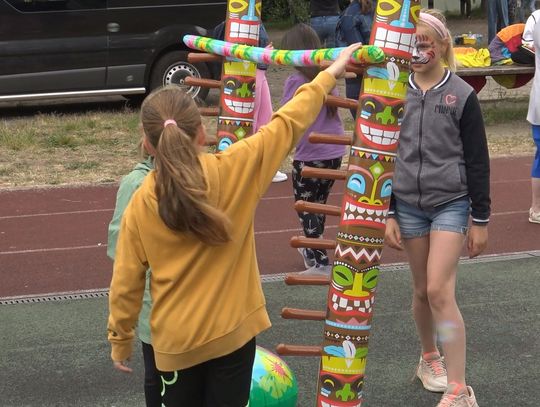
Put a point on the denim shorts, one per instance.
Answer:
(415, 222)
(535, 172)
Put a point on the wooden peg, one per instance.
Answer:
(300, 279)
(209, 111)
(206, 83)
(325, 173)
(358, 69)
(341, 102)
(196, 57)
(313, 207)
(303, 314)
(298, 350)
(321, 138)
(312, 243)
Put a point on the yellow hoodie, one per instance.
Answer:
(207, 300)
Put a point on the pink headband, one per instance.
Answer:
(169, 121)
(435, 23)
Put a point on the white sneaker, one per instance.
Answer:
(534, 217)
(463, 400)
(279, 177)
(432, 374)
(308, 256)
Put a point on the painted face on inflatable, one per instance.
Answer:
(243, 21)
(367, 195)
(351, 294)
(340, 388)
(238, 95)
(237, 103)
(379, 121)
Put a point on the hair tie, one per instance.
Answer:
(169, 121)
(435, 23)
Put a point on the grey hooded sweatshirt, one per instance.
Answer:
(443, 153)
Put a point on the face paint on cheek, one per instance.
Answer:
(423, 50)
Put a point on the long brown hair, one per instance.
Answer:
(302, 36)
(180, 183)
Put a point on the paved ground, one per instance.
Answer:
(54, 353)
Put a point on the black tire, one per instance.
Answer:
(173, 68)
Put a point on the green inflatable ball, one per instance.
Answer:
(273, 384)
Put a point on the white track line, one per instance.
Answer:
(55, 214)
(261, 232)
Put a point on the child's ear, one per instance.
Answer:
(148, 146)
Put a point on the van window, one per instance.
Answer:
(56, 5)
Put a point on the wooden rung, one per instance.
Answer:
(298, 350)
(209, 111)
(312, 243)
(303, 314)
(206, 83)
(325, 173)
(300, 279)
(313, 207)
(195, 57)
(321, 138)
(358, 69)
(341, 102)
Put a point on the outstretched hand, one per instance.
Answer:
(122, 366)
(337, 69)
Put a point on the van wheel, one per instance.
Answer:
(173, 68)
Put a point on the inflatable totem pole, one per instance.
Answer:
(237, 100)
(364, 207)
(359, 242)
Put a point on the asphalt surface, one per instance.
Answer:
(54, 351)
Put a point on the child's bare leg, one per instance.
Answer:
(445, 249)
(417, 251)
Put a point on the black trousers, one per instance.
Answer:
(313, 190)
(221, 382)
(152, 379)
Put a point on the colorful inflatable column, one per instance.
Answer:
(237, 101)
(365, 204)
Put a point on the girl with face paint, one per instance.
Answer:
(441, 184)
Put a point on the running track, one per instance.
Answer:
(54, 239)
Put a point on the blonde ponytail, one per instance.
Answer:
(181, 188)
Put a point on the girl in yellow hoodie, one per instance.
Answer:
(191, 221)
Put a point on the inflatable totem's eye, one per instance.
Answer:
(370, 278)
(343, 276)
(386, 188)
(258, 7)
(224, 143)
(236, 6)
(357, 183)
(387, 7)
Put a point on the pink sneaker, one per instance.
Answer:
(462, 400)
(432, 373)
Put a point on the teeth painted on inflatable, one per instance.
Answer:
(379, 136)
(249, 31)
(325, 404)
(240, 107)
(363, 305)
(395, 40)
